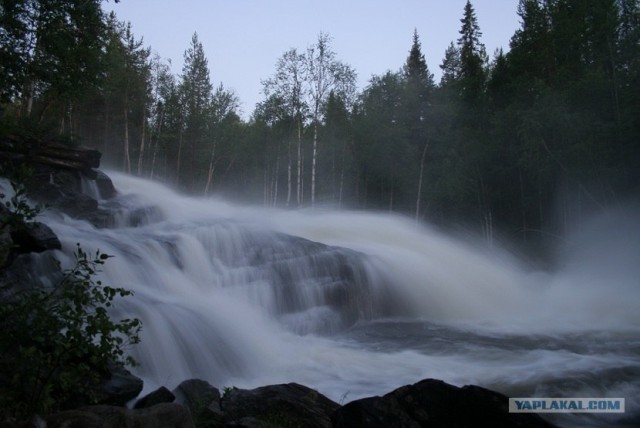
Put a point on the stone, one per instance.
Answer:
(196, 393)
(160, 395)
(75, 419)
(278, 405)
(202, 399)
(120, 388)
(433, 404)
(164, 415)
(105, 185)
(34, 237)
(6, 246)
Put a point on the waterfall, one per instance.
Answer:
(349, 302)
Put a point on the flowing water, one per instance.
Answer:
(356, 304)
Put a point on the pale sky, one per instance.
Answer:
(243, 39)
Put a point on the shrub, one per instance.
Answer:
(57, 343)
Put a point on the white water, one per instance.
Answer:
(226, 295)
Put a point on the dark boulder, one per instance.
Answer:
(277, 405)
(433, 403)
(34, 237)
(203, 401)
(160, 395)
(373, 412)
(105, 185)
(193, 393)
(165, 415)
(120, 388)
(6, 245)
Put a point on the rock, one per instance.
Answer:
(433, 403)
(6, 246)
(373, 412)
(105, 185)
(193, 393)
(120, 388)
(277, 405)
(34, 237)
(160, 395)
(76, 419)
(202, 399)
(50, 153)
(165, 415)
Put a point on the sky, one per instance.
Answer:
(243, 39)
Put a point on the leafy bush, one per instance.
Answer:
(20, 211)
(57, 343)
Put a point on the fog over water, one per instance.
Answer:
(356, 304)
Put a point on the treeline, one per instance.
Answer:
(524, 143)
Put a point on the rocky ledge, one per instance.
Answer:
(196, 403)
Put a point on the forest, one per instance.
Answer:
(518, 146)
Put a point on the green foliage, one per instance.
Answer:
(20, 211)
(58, 342)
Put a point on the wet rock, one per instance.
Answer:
(34, 237)
(105, 185)
(160, 395)
(165, 415)
(120, 388)
(277, 405)
(433, 404)
(203, 401)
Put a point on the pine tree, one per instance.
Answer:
(473, 56)
(196, 92)
(420, 84)
(451, 66)
(417, 99)
(50, 52)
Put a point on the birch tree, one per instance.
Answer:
(287, 85)
(324, 74)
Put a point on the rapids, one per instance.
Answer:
(358, 303)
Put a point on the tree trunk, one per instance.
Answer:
(299, 178)
(341, 184)
(141, 157)
(105, 142)
(275, 181)
(212, 168)
(313, 163)
(419, 196)
(155, 145)
(288, 174)
(180, 138)
(127, 159)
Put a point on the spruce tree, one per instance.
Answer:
(473, 56)
(196, 92)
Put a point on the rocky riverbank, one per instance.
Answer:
(196, 403)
